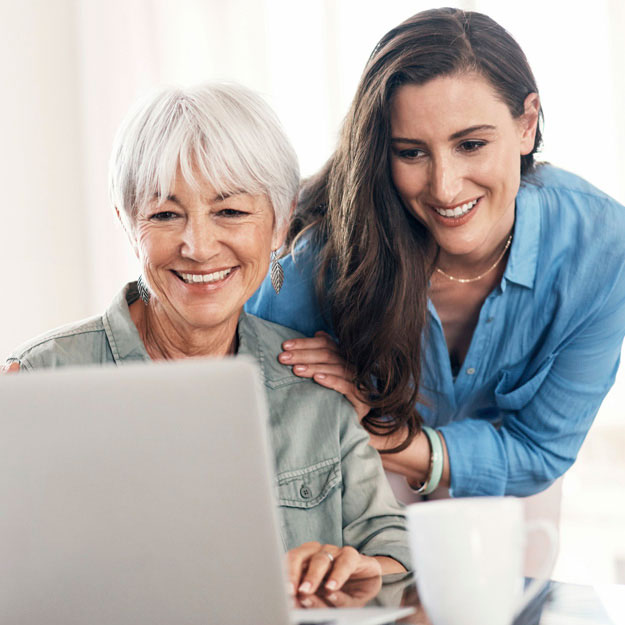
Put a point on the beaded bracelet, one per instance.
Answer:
(435, 471)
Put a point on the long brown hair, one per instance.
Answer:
(376, 258)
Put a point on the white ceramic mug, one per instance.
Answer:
(468, 558)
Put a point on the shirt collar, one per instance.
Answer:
(126, 344)
(249, 343)
(122, 334)
(521, 267)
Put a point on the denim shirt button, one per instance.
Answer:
(470, 371)
(305, 492)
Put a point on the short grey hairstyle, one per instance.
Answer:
(220, 133)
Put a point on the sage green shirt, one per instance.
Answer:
(330, 482)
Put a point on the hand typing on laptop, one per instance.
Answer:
(313, 565)
(355, 593)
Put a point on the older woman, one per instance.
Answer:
(203, 181)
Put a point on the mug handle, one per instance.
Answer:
(536, 585)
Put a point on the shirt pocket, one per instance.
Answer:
(309, 486)
(310, 504)
(510, 395)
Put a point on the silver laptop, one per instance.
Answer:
(140, 495)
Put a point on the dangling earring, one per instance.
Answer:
(277, 273)
(144, 294)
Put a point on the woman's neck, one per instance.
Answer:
(482, 261)
(166, 340)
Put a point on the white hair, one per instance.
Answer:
(219, 133)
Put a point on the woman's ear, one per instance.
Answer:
(529, 122)
(128, 232)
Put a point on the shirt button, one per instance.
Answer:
(470, 371)
(305, 492)
(490, 319)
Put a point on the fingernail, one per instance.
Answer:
(306, 602)
(288, 345)
(333, 598)
(305, 587)
(331, 585)
(300, 368)
(320, 376)
(285, 356)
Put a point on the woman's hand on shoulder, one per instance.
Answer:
(318, 358)
(313, 566)
(9, 367)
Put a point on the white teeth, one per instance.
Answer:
(459, 211)
(190, 278)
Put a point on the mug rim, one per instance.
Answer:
(468, 503)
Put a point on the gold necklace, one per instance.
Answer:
(467, 280)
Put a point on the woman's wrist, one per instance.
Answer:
(414, 462)
(437, 458)
(390, 565)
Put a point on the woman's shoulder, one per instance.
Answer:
(263, 340)
(296, 305)
(560, 188)
(76, 343)
(573, 215)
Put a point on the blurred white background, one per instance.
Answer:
(71, 68)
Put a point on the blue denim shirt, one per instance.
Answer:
(330, 483)
(545, 349)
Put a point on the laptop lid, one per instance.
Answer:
(139, 494)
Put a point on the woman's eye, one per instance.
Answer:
(410, 154)
(472, 146)
(163, 216)
(230, 212)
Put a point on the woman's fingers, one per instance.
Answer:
(337, 370)
(313, 601)
(321, 340)
(345, 564)
(319, 565)
(355, 593)
(313, 567)
(316, 350)
(318, 358)
(297, 563)
(310, 356)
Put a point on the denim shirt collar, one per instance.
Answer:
(121, 332)
(249, 344)
(126, 344)
(521, 267)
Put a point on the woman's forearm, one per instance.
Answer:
(412, 462)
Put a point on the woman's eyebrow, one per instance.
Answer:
(222, 197)
(405, 140)
(172, 198)
(471, 129)
(169, 198)
(456, 135)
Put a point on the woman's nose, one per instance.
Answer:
(445, 181)
(200, 241)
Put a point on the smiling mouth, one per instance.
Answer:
(458, 211)
(204, 278)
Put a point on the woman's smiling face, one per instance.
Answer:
(455, 160)
(204, 255)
